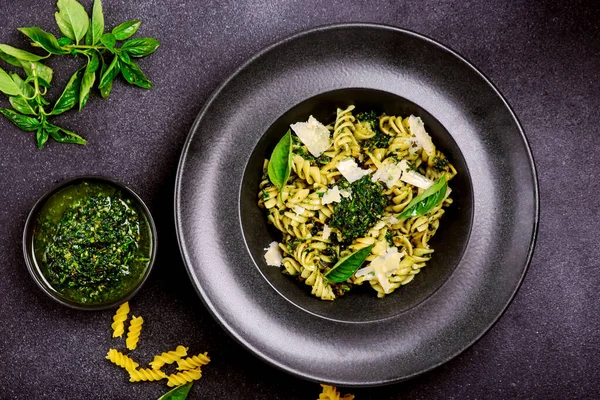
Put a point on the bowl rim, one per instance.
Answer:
(28, 237)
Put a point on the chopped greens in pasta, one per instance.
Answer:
(377, 181)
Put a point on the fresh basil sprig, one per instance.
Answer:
(348, 265)
(179, 393)
(83, 36)
(427, 200)
(280, 164)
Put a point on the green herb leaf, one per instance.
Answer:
(25, 88)
(88, 79)
(348, 265)
(109, 40)
(64, 41)
(63, 135)
(23, 122)
(72, 19)
(7, 85)
(41, 71)
(280, 163)
(140, 47)
(111, 72)
(70, 94)
(126, 29)
(427, 200)
(97, 27)
(21, 105)
(41, 137)
(10, 59)
(106, 89)
(134, 75)
(124, 56)
(20, 54)
(179, 393)
(46, 40)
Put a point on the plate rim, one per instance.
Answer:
(330, 27)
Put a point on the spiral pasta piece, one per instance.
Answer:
(193, 362)
(120, 359)
(168, 357)
(145, 374)
(119, 319)
(183, 377)
(133, 334)
(331, 393)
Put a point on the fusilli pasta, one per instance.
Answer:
(119, 319)
(120, 359)
(133, 334)
(331, 393)
(145, 374)
(169, 357)
(193, 362)
(396, 162)
(184, 377)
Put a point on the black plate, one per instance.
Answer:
(482, 249)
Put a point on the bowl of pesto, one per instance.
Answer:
(90, 243)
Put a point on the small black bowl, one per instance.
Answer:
(29, 236)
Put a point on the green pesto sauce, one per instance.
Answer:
(92, 242)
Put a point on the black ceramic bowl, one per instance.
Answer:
(361, 304)
(32, 224)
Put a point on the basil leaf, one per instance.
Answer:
(111, 72)
(179, 393)
(41, 71)
(10, 59)
(63, 135)
(25, 88)
(44, 39)
(21, 105)
(126, 29)
(20, 54)
(97, 28)
(134, 75)
(109, 40)
(88, 79)
(41, 137)
(23, 122)
(64, 41)
(7, 85)
(140, 47)
(124, 56)
(72, 19)
(348, 265)
(280, 163)
(106, 89)
(427, 200)
(70, 94)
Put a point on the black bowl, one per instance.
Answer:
(361, 304)
(35, 270)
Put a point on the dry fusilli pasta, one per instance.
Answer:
(119, 319)
(145, 374)
(169, 357)
(120, 359)
(331, 393)
(133, 334)
(184, 377)
(193, 362)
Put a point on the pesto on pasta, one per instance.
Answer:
(365, 180)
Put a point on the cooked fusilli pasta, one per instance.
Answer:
(119, 319)
(193, 362)
(169, 357)
(145, 374)
(120, 359)
(133, 334)
(184, 377)
(350, 196)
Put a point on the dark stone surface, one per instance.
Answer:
(543, 56)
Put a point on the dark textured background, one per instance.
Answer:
(543, 56)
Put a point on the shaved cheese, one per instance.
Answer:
(273, 255)
(326, 231)
(351, 171)
(382, 267)
(331, 196)
(346, 192)
(417, 128)
(413, 177)
(299, 210)
(314, 135)
(389, 173)
(391, 220)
